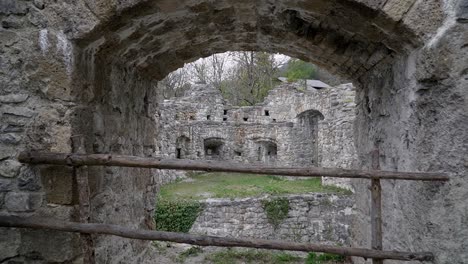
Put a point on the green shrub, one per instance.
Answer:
(314, 258)
(176, 216)
(276, 210)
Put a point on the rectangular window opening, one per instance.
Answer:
(179, 153)
(267, 113)
(208, 117)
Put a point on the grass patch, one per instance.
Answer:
(231, 256)
(324, 258)
(236, 185)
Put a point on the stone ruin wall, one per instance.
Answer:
(310, 127)
(315, 218)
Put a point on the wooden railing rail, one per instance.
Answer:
(88, 228)
(179, 164)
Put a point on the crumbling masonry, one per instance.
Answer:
(293, 127)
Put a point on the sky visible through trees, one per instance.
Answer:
(243, 77)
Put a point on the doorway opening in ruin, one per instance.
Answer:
(309, 121)
(213, 148)
(182, 147)
(267, 151)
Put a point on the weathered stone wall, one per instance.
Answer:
(335, 133)
(407, 58)
(308, 127)
(324, 218)
(118, 118)
(416, 111)
(36, 112)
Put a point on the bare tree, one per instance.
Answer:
(199, 70)
(244, 78)
(175, 83)
(218, 62)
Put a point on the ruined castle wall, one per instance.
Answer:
(335, 135)
(315, 218)
(310, 127)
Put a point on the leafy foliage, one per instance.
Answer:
(276, 209)
(299, 70)
(314, 258)
(176, 215)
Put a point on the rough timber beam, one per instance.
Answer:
(179, 164)
(88, 228)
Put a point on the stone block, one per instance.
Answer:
(10, 138)
(8, 38)
(462, 11)
(58, 184)
(10, 241)
(396, 9)
(51, 246)
(2, 200)
(17, 111)
(13, 7)
(6, 185)
(22, 202)
(9, 168)
(13, 98)
(29, 180)
(415, 18)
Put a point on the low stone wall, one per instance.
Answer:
(324, 218)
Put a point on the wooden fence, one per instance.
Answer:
(79, 161)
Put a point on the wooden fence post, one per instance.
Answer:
(376, 208)
(81, 175)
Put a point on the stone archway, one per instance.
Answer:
(89, 68)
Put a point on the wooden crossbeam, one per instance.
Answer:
(92, 228)
(179, 164)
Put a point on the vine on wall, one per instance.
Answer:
(176, 216)
(276, 210)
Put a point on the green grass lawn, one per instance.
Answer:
(236, 185)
